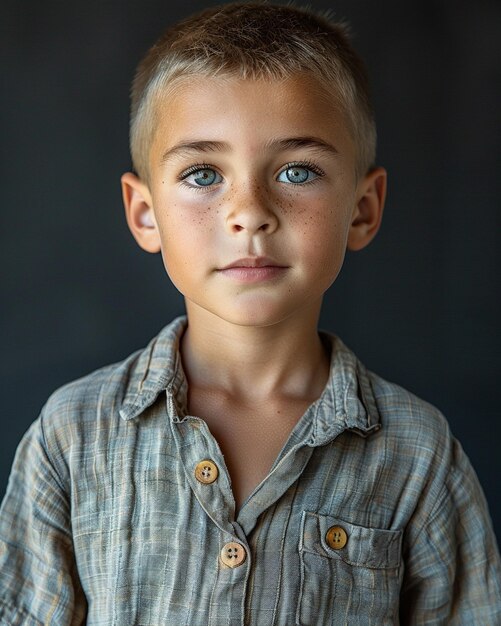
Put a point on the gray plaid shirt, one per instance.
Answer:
(119, 511)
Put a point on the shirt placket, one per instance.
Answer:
(208, 478)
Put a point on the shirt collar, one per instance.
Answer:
(155, 369)
(347, 401)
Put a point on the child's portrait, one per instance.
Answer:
(250, 309)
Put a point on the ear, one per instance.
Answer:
(368, 211)
(139, 212)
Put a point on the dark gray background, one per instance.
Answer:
(420, 306)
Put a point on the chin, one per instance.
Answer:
(256, 315)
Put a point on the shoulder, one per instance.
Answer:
(401, 410)
(146, 371)
(407, 441)
(81, 416)
(88, 410)
(420, 451)
(96, 394)
(428, 464)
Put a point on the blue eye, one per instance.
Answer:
(204, 177)
(296, 174)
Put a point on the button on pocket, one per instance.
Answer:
(336, 537)
(349, 573)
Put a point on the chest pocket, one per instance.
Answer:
(349, 574)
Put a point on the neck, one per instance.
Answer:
(286, 359)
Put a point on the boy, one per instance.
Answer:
(245, 468)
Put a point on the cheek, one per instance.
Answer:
(185, 235)
(182, 226)
(320, 231)
(321, 236)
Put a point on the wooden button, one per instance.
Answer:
(206, 472)
(336, 537)
(233, 554)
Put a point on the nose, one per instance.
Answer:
(251, 210)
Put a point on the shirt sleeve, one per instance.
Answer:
(452, 564)
(39, 583)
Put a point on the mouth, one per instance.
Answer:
(253, 269)
(253, 262)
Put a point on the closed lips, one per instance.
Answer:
(254, 262)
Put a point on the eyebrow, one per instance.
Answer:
(293, 143)
(187, 148)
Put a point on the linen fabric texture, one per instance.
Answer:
(104, 522)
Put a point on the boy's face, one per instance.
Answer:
(257, 170)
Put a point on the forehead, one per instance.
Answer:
(248, 112)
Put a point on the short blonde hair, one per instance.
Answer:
(253, 41)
